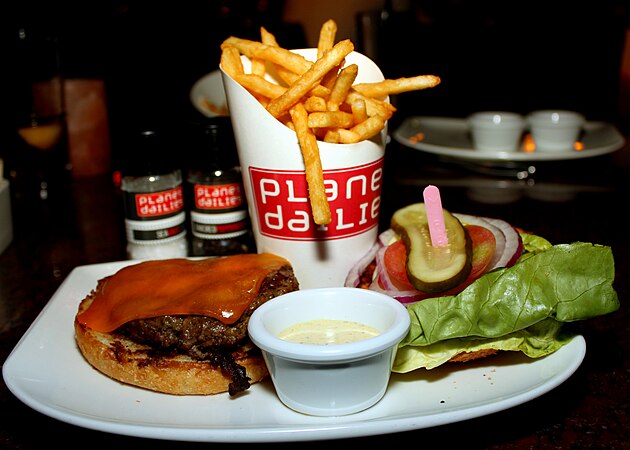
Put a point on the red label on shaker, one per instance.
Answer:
(284, 210)
(218, 197)
(220, 228)
(151, 205)
(156, 235)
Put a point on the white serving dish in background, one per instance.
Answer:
(208, 96)
(450, 137)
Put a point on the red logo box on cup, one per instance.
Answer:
(284, 211)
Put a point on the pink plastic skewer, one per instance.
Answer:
(435, 216)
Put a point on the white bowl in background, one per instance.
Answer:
(555, 130)
(208, 96)
(496, 131)
(330, 379)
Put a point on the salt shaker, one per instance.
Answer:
(219, 222)
(153, 195)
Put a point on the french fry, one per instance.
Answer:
(318, 99)
(320, 91)
(290, 77)
(359, 110)
(280, 105)
(258, 67)
(231, 61)
(289, 124)
(315, 103)
(373, 106)
(286, 75)
(330, 119)
(276, 55)
(257, 84)
(328, 80)
(369, 128)
(264, 101)
(313, 165)
(268, 38)
(327, 35)
(348, 136)
(342, 86)
(398, 86)
(331, 136)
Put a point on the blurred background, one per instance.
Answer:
(490, 54)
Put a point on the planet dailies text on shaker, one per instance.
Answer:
(219, 222)
(153, 195)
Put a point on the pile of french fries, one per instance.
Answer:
(318, 100)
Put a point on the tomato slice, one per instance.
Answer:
(395, 259)
(483, 247)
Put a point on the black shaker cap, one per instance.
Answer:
(211, 142)
(150, 151)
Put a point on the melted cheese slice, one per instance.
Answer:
(222, 288)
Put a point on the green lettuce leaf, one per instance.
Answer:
(533, 243)
(536, 341)
(514, 308)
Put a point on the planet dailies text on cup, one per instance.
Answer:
(555, 130)
(496, 131)
(276, 189)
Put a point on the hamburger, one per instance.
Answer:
(179, 326)
(493, 288)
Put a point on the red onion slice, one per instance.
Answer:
(405, 297)
(499, 236)
(381, 271)
(387, 236)
(513, 243)
(354, 275)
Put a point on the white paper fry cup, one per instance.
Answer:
(276, 190)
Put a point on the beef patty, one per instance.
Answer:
(206, 338)
(191, 333)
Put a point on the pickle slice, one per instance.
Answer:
(433, 269)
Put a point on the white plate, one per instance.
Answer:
(450, 137)
(48, 373)
(208, 96)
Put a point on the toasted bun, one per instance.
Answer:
(217, 294)
(470, 356)
(131, 363)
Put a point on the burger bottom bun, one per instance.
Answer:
(128, 362)
(470, 356)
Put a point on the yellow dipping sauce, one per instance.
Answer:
(327, 332)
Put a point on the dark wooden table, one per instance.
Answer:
(568, 201)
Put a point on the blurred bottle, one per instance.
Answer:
(84, 67)
(219, 221)
(153, 197)
(37, 153)
(88, 127)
